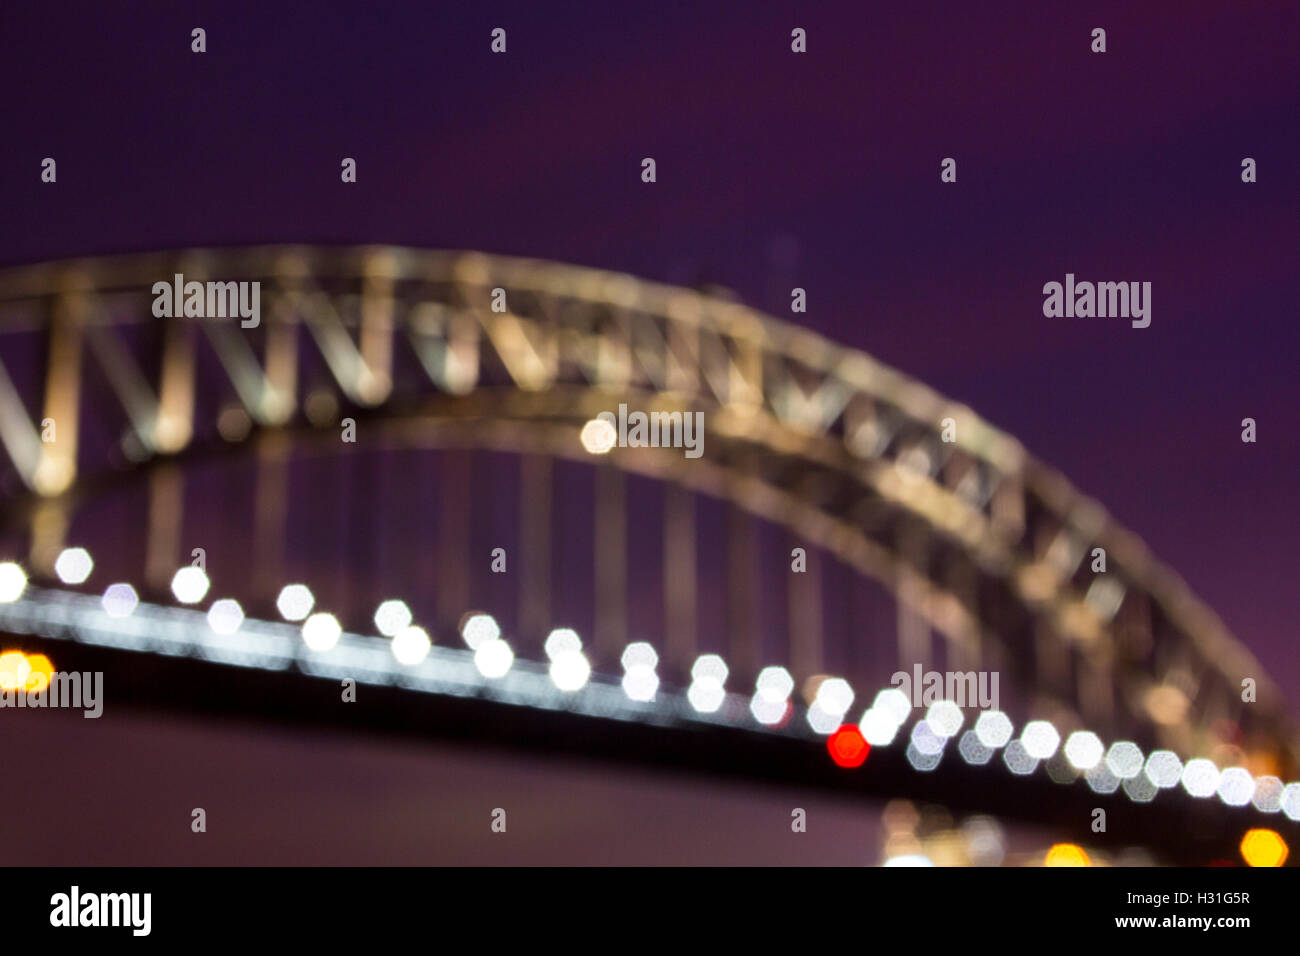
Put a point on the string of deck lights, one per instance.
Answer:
(1105, 770)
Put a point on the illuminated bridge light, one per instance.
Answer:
(708, 680)
(640, 682)
(73, 565)
(478, 629)
(847, 746)
(570, 670)
(834, 696)
(321, 631)
(1040, 739)
(1268, 795)
(1236, 786)
(295, 602)
(1124, 759)
(973, 751)
(411, 645)
(1083, 749)
(894, 704)
(878, 727)
(1263, 848)
(190, 584)
(772, 690)
(392, 617)
(225, 616)
(768, 712)
(1164, 768)
(922, 761)
(1200, 777)
(945, 718)
(1291, 801)
(1140, 789)
(561, 641)
(494, 658)
(774, 684)
(822, 721)
(925, 740)
(598, 436)
(1018, 759)
(1066, 854)
(994, 729)
(119, 600)
(1101, 780)
(13, 581)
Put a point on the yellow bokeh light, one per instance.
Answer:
(41, 672)
(1263, 848)
(1066, 854)
(14, 670)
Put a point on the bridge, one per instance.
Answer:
(385, 481)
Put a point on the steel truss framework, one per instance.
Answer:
(978, 541)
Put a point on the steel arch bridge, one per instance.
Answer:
(988, 552)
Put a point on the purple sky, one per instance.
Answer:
(774, 170)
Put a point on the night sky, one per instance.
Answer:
(775, 170)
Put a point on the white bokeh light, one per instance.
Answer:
(478, 629)
(774, 685)
(494, 658)
(73, 565)
(120, 600)
(1083, 749)
(225, 616)
(994, 729)
(1236, 786)
(570, 670)
(944, 718)
(295, 602)
(13, 581)
(392, 617)
(1040, 739)
(190, 584)
(561, 641)
(1200, 777)
(411, 645)
(321, 631)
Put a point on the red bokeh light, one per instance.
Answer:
(847, 746)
